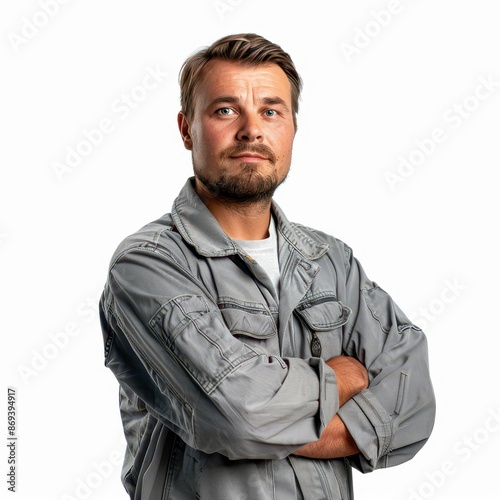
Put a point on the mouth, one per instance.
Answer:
(250, 157)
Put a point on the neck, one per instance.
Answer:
(239, 220)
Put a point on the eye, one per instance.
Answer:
(224, 111)
(270, 112)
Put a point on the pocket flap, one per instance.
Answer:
(252, 320)
(324, 313)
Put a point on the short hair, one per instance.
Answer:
(244, 48)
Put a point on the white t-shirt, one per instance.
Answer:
(265, 252)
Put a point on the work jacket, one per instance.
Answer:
(222, 378)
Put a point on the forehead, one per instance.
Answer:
(221, 77)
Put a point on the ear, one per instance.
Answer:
(184, 129)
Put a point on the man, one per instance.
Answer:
(255, 358)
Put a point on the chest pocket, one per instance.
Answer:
(323, 317)
(252, 323)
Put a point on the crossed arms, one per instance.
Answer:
(172, 342)
(336, 441)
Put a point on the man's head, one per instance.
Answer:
(239, 100)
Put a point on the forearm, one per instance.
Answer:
(335, 442)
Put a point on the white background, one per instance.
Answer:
(431, 240)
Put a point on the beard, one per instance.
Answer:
(245, 185)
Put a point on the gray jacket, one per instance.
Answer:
(218, 383)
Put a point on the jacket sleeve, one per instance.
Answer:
(165, 340)
(392, 419)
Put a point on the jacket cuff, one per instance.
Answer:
(371, 428)
(328, 393)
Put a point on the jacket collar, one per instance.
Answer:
(200, 229)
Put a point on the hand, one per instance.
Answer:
(352, 376)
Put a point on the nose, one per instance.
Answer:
(250, 129)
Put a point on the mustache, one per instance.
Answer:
(260, 149)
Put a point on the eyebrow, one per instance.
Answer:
(268, 101)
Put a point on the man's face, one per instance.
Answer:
(241, 132)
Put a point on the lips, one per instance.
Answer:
(255, 153)
(250, 155)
